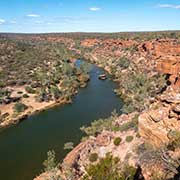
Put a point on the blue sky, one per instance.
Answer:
(35, 16)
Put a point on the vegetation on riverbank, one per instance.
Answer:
(37, 71)
(109, 168)
(137, 86)
(50, 74)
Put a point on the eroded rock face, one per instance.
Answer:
(156, 123)
(170, 65)
(153, 131)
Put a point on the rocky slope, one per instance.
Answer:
(152, 144)
(162, 118)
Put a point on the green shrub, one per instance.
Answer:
(109, 168)
(42, 95)
(4, 93)
(132, 49)
(117, 141)
(50, 163)
(20, 107)
(105, 168)
(67, 69)
(2, 84)
(93, 157)
(25, 96)
(129, 138)
(30, 90)
(55, 92)
(138, 135)
(19, 92)
(132, 124)
(98, 126)
(174, 137)
(138, 89)
(124, 62)
(85, 67)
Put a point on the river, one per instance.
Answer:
(23, 147)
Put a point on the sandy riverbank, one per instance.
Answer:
(33, 108)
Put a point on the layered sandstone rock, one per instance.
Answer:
(170, 65)
(156, 123)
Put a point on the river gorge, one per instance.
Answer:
(24, 147)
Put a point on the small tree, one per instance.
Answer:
(109, 168)
(129, 138)
(50, 162)
(30, 90)
(55, 92)
(124, 62)
(117, 141)
(20, 107)
(67, 69)
(105, 169)
(93, 157)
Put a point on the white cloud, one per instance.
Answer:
(13, 22)
(33, 15)
(2, 21)
(38, 22)
(94, 9)
(169, 6)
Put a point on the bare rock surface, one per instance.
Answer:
(155, 124)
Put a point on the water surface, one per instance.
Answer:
(23, 147)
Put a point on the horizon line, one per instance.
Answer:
(90, 32)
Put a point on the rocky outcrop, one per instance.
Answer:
(79, 158)
(162, 118)
(90, 42)
(170, 65)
